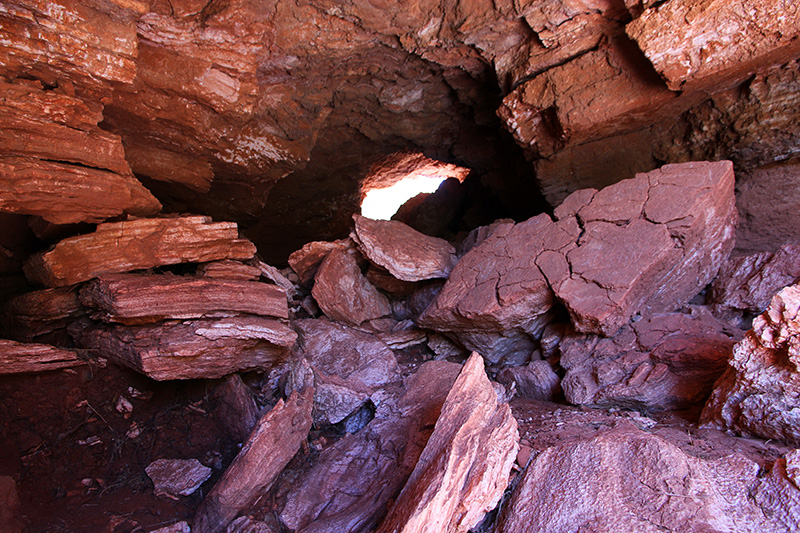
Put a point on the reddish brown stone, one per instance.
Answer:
(40, 313)
(757, 395)
(192, 349)
(272, 444)
(406, 253)
(307, 259)
(177, 477)
(236, 407)
(698, 44)
(344, 294)
(169, 166)
(137, 244)
(229, 269)
(17, 357)
(662, 362)
(535, 381)
(140, 299)
(465, 466)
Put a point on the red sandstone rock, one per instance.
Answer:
(697, 44)
(272, 444)
(236, 407)
(343, 492)
(778, 492)
(307, 259)
(465, 466)
(406, 253)
(67, 194)
(169, 166)
(747, 283)
(344, 294)
(662, 362)
(41, 313)
(140, 299)
(18, 357)
(89, 44)
(769, 219)
(192, 349)
(535, 381)
(137, 244)
(229, 269)
(177, 477)
(626, 479)
(757, 395)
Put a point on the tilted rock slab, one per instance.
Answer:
(344, 294)
(20, 357)
(626, 480)
(737, 36)
(192, 349)
(643, 245)
(117, 247)
(405, 252)
(139, 299)
(465, 466)
(758, 394)
(351, 484)
(272, 444)
(662, 362)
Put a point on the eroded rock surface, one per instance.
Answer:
(17, 357)
(757, 395)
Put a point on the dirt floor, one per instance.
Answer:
(79, 454)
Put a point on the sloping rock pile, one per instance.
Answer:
(378, 350)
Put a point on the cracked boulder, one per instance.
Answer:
(758, 395)
(662, 362)
(641, 246)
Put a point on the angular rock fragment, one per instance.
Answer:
(349, 366)
(345, 492)
(116, 247)
(497, 298)
(139, 299)
(344, 294)
(626, 479)
(191, 349)
(662, 362)
(465, 466)
(535, 381)
(307, 259)
(235, 407)
(406, 253)
(68, 194)
(648, 245)
(38, 314)
(737, 37)
(166, 165)
(272, 444)
(747, 283)
(177, 477)
(18, 357)
(757, 395)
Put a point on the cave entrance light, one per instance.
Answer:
(400, 177)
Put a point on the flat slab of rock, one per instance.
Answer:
(229, 269)
(116, 247)
(140, 299)
(406, 253)
(307, 259)
(465, 466)
(344, 492)
(19, 357)
(192, 349)
(757, 395)
(177, 477)
(39, 313)
(344, 294)
(662, 362)
(626, 479)
(272, 444)
(755, 34)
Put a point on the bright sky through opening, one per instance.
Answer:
(381, 204)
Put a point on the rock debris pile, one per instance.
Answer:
(594, 325)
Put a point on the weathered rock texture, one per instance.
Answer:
(272, 444)
(40, 314)
(643, 245)
(137, 244)
(177, 477)
(18, 357)
(665, 361)
(466, 463)
(757, 395)
(139, 299)
(191, 349)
